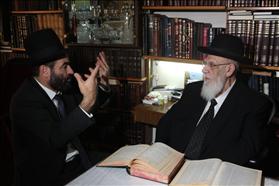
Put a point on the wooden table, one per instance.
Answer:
(151, 114)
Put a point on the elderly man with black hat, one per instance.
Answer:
(47, 114)
(219, 117)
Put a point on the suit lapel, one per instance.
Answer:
(226, 110)
(45, 98)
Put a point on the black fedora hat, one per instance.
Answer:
(227, 46)
(44, 46)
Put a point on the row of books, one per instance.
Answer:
(123, 63)
(23, 25)
(253, 3)
(36, 5)
(230, 3)
(5, 57)
(184, 3)
(265, 84)
(261, 38)
(176, 37)
(127, 94)
(134, 133)
(5, 46)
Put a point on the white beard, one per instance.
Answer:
(211, 89)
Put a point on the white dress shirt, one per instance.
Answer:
(220, 99)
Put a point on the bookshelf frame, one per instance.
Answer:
(26, 18)
(227, 8)
(197, 61)
(185, 8)
(37, 12)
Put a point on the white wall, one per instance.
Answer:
(172, 73)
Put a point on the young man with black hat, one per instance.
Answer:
(47, 115)
(219, 117)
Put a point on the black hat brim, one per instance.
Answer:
(37, 61)
(223, 53)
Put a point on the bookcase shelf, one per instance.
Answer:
(199, 62)
(185, 8)
(29, 16)
(38, 12)
(18, 49)
(129, 79)
(253, 8)
(164, 34)
(206, 8)
(173, 59)
(73, 44)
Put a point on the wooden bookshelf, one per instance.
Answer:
(206, 8)
(102, 45)
(128, 78)
(253, 8)
(199, 62)
(29, 16)
(18, 49)
(263, 71)
(173, 59)
(185, 8)
(38, 12)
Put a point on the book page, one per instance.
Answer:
(159, 163)
(124, 155)
(232, 174)
(197, 172)
(108, 176)
(159, 157)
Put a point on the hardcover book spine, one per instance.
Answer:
(258, 41)
(271, 43)
(265, 43)
(276, 45)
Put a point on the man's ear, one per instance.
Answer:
(44, 71)
(230, 69)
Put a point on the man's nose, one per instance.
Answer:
(205, 69)
(70, 70)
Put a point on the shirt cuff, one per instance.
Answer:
(104, 88)
(90, 115)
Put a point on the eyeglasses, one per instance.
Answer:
(212, 65)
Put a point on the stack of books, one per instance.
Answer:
(5, 46)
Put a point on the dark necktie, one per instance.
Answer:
(194, 146)
(75, 143)
(60, 105)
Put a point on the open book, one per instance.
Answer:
(159, 162)
(216, 172)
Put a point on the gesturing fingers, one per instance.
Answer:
(78, 78)
(101, 58)
(94, 71)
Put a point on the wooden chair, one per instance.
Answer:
(261, 161)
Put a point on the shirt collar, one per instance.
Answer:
(49, 92)
(220, 99)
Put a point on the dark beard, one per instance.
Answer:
(60, 83)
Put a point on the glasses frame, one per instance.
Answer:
(211, 64)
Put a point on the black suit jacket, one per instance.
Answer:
(41, 136)
(237, 133)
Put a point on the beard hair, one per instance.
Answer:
(211, 89)
(60, 83)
